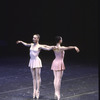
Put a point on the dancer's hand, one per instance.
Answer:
(77, 49)
(19, 42)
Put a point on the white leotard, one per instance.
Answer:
(35, 61)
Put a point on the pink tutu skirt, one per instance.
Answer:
(58, 64)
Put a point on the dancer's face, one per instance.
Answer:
(60, 41)
(35, 38)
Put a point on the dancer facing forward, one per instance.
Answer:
(35, 63)
(58, 65)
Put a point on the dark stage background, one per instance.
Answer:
(74, 20)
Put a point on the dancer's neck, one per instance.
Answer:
(58, 45)
(36, 43)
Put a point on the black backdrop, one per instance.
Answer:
(75, 20)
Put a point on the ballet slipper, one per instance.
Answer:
(34, 94)
(55, 96)
(37, 94)
(58, 97)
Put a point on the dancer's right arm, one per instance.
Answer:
(24, 43)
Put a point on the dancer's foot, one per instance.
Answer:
(55, 96)
(34, 94)
(58, 97)
(37, 94)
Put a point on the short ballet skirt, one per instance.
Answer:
(35, 62)
(57, 65)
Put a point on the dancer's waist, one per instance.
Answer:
(59, 58)
(34, 57)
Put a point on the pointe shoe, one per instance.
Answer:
(58, 97)
(34, 95)
(55, 96)
(37, 95)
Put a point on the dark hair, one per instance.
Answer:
(58, 38)
(37, 35)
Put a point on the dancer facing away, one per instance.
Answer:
(35, 63)
(58, 65)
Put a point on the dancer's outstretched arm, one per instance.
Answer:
(69, 48)
(46, 47)
(24, 43)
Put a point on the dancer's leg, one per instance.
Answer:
(33, 71)
(38, 78)
(58, 84)
(55, 81)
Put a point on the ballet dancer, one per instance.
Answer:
(58, 66)
(35, 63)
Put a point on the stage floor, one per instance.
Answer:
(80, 80)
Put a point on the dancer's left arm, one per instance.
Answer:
(69, 48)
(46, 47)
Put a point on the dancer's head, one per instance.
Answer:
(36, 38)
(58, 39)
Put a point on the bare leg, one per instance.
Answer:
(58, 83)
(55, 82)
(38, 78)
(33, 71)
